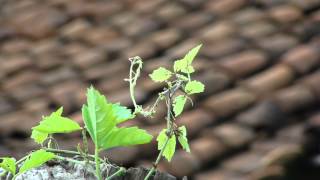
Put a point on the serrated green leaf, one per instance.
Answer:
(38, 136)
(161, 74)
(98, 116)
(55, 123)
(182, 138)
(8, 164)
(101, 118)
(185, 65)
(194, 87)
(36, 159)
(178, 104)
(126, 137)
(122, 113)
(170, 147)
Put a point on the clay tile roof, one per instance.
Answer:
(260, 63)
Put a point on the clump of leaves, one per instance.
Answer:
(101, 119)
(177, 79)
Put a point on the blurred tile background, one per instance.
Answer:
(260, 60)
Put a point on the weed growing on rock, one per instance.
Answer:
(101, 119)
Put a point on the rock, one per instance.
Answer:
(67, 170)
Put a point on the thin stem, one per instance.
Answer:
(157, 160)
(121, 170)
(85, 144)
(97, 160)
(69, 160)
(155, 104)
(67, 152)
(22, 159)
(169, 94)
(133, 77)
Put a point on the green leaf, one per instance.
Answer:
(178, 104)
(182, 138)
(8, 164)
(55, 123)
(161, 74)
(185, 65)
(38, 136)
(192, 53)
(126, 137)
(170, 146)
(101, 118)
(194, 87)
(36, 159)
(122, 113)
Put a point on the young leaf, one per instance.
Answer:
(98, 116)
(170, 148)
(8, 164)
(192, 53)
(55, 123)
(101, 118)
(194, 87)
(161, 74)
(178, 104)
(38, 136)
(126, 137)
(36, 159)
(182, 138)
(185, 65)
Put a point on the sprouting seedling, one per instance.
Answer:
(177, 80)
(100, 118)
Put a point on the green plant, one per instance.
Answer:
(102, 117)
(177, 80)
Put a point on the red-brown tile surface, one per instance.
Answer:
(259, 61)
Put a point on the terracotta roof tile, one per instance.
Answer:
(229, 102)
(271, 79)
(259, 62)
(233, 135)
(303, 58)
(245, 63)
(265, 114)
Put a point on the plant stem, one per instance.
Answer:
(69, 160)
(22, 159)
(169, 94)
(157, 160)
(116, 173)
(97, 160)
(67, 152)
(133, 80)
